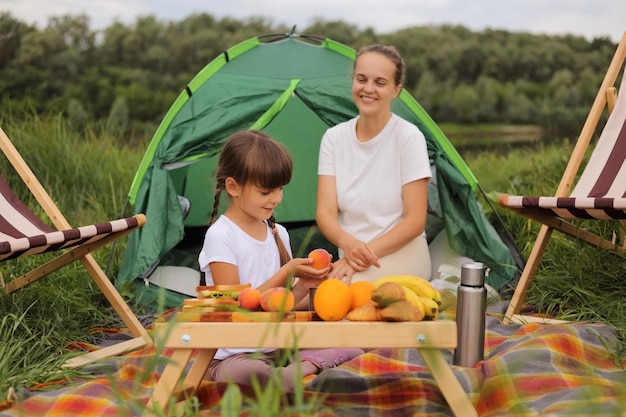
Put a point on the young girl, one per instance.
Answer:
(373, 178)
(245, 245)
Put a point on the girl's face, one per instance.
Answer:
(257, 202)
(373, 84)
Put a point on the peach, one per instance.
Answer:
(277, 299)
(321, 258)
(250, 299)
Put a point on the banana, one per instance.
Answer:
(418, 285)
(432, 308)
(414, 299)
(437, 297)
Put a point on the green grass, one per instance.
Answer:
(88, 174)
(575, 281)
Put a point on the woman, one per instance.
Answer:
(373, 177)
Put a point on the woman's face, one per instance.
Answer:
(373, 84)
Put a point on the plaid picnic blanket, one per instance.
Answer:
(528, 370)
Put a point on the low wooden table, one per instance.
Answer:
(428, 337)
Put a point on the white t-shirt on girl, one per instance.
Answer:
(256, 260)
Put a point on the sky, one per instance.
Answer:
(588, 18)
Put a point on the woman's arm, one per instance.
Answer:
(414, 208)
(327, 209)
(358, 255)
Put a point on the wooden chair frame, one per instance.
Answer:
(81, 253)
(605, 98)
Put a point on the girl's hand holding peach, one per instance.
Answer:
(307, 271)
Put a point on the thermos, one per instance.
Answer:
(470, 315)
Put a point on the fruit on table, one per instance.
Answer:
(400, 298)
(250, 299)
(277, 299)
(431, 310)
(361, 292)
(401, 311)
(387, 293)
(366, 312)
(320, 258)
(332, 300)
(448, 299)
(415, 299)
(418, 285)
(419, 292)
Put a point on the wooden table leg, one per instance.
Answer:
(448, 384)
(198, 369)
(168, 381)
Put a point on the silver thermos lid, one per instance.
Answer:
(473, 274)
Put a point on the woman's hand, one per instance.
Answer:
(342, 270)
(358, 254)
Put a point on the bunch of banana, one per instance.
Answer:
(431, 307)
(418, 292)
(414, 299)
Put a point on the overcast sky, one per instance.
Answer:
(589, 18)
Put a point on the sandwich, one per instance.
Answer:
(214, 298)
(220, 291)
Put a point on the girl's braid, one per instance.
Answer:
(284, 254)
(216, 200)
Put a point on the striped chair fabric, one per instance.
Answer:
(600, 193)
(22, 233)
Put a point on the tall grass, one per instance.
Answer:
(575, 281)
(87, 175)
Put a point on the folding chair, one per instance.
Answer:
(23, 234)
(600, 192)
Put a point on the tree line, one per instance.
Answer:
(127, 76)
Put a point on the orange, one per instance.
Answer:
(361, 293)
(332, 300)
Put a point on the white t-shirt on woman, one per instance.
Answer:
(370, 175)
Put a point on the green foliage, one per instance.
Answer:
(77, 115)
(118, 121)
(29, 355)
(69, 163)
(458, 75)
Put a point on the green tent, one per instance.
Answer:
(293, 87)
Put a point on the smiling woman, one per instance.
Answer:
(377, 221)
